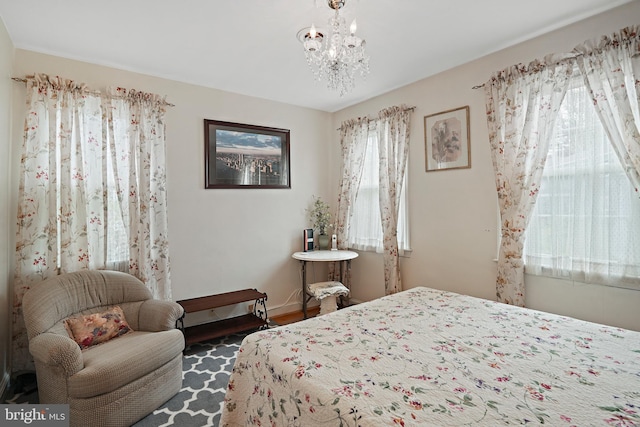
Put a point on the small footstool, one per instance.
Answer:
(327, 293)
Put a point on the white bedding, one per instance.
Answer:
(425, 357)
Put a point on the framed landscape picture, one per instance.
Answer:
(245, 156)
(446, 140)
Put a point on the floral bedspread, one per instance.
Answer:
(425, 357)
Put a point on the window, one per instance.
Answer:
(586, 221)
(366, 227)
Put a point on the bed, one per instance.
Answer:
(426, 357)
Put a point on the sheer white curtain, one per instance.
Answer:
(377, 219)
(611, 71)
(366, 233)
(392, 127)
(53, 232)
(78, 149)
(137, 140)
(588, 218)
(586, 221)
(522, 105)
(354, 139)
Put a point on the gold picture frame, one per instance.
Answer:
(447, 140)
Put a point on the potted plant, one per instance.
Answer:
(320, 216)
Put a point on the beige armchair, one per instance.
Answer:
(115, 383)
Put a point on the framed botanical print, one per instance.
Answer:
(446, 139)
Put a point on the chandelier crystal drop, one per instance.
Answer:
(337, 57)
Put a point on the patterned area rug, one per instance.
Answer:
(205, 374)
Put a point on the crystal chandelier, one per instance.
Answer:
(336, 57)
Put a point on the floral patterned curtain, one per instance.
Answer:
(354, 137)
(72, 144)
(393, 127)
(51, 229)
(139, 158)
(522, 104)
(611, 71)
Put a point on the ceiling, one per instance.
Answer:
(250, 46)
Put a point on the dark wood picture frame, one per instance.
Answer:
(239, 155)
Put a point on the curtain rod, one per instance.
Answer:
(564, 57)
(18, 79)
(406, 109)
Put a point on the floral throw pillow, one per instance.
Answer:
(93, 329)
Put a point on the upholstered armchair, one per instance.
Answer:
(116, 382)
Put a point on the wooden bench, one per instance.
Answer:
(220, 328)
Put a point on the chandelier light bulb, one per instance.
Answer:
(313, 33)
(353, 27)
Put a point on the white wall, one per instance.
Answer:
(220, 240)
(454, 214)
(6, 58)
(223, 240)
